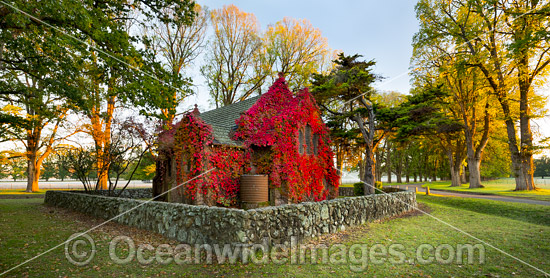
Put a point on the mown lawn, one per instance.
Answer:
(23, 192)
(20, 191)
(27, 228)
(503, 187)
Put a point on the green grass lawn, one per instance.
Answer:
(20, 191)
(503, 187)
(23, 192)
(27, 228)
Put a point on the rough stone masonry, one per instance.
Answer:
(201, 224)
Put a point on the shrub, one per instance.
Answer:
(378, 185)
(358, 189)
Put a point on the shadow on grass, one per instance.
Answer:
(536, 214)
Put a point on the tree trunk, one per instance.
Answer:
(407, 169)
(388, 161)
(475, 154)
(426, 167)
(369, 179)
(33, 174)
(434, 170)
(339, 164)
(378, 166)
(474, 164)
(1, 55)
(455, 176)
(521, 173)
(34, 162)
(463, 178)
(361, 168)
(101, 133)
(32, 146)
(455, 168)
(526, 150)
(399, 166)
(102, 175)
(371, 144)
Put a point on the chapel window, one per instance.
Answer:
(301, 141)
(315, 144)
(308, 139)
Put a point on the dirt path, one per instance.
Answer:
(473, 195)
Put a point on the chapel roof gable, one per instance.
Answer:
(223, 119)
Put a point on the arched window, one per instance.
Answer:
(315, 144)
(301, 141)
(308, 139)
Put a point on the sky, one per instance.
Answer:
(379, 30)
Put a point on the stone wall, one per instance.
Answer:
(135, 193)
(202, 224)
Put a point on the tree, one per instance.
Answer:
(346, 141)
(542, 167)
(349, 87)
(48, 168)
(474, 105)
(30, 78)
(178, 45)
(469, 99)
(108, 85)
(426, 115)
(296, 49)
(145, 169)
(496, 161)
(121, 160)
(13, 164)
(79, 161)
(506, 41)
(229, 69)
(70, 49)
(43, 116)
(126, 153)
(390, 100)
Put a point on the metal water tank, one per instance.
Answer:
(254, 188)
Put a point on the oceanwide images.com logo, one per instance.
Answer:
(80, 250)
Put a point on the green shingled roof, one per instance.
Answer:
(223, 119)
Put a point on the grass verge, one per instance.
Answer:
(27, 228)
(502, 187)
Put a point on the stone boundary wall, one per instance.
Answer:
(131, 193)
(201, 224)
